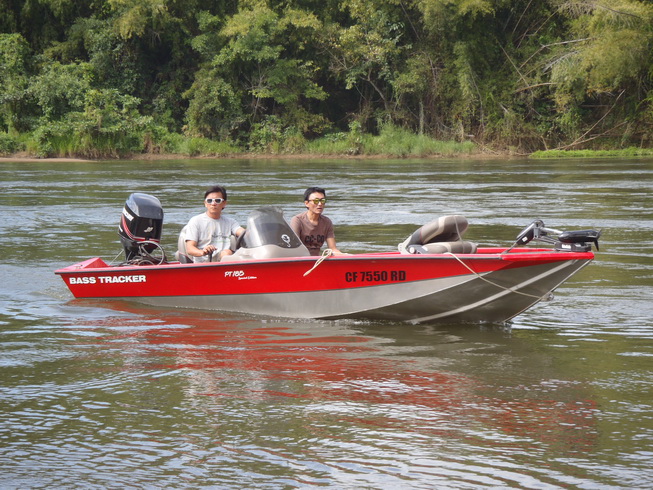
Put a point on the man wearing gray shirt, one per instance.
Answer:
(210, 233)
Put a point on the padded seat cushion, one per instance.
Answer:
(446, 229)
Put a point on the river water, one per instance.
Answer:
(109, 394)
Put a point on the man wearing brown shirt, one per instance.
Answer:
(311, 226)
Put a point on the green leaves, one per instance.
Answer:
(135, 17)
(616, 50)
(271, 74)
(256, 71)
(15, 59)
(61, 88)
(214, 110)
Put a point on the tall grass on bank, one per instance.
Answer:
(61, 140)
(49, 143)
(177, 144)
(82, 145)
(626, 152)
(391, 141)
(401, 142)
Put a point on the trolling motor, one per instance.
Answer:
(568, 241)
(140, 230)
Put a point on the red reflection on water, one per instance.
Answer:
(330, 362)
(355, 367)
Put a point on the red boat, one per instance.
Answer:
(435, 276)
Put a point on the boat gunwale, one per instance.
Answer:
(516, 255)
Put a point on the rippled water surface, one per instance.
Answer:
(98, 394)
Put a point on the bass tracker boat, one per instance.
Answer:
(435, 276)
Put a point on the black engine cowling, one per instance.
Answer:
(140, 225)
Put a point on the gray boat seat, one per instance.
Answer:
(181, 255)
(443, 235)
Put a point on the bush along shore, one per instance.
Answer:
(390, 142)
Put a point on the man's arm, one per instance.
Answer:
(194, 251)
(331, 243)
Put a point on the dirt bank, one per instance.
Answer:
(23, 157)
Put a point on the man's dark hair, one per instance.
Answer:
(217, 188)
(311, 190)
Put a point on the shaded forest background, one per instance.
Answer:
(100, 77)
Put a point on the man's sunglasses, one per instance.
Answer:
(318, 201)
(219, 200)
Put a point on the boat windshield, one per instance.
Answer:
(266, 226)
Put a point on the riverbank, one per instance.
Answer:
(477, 155)
(16, 158)
(22, 157)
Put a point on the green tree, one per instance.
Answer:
(59, 89)
(368, 55)
(109, 125)
(605, 64)
(259, 63)
(15, 58)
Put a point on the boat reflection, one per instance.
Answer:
(366, 375)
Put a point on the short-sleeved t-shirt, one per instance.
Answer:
(312, 235)
(208, 231)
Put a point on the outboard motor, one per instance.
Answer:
(140, 225)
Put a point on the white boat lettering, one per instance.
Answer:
(234, 273)
(82, 280)
(121, 279)
(375, 276)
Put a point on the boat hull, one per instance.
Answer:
(487, 286)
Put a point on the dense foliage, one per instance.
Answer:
(107, 77)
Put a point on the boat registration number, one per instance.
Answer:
(375, 276)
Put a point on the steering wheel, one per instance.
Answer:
(156, 256)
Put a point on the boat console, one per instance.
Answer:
(268, 236)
